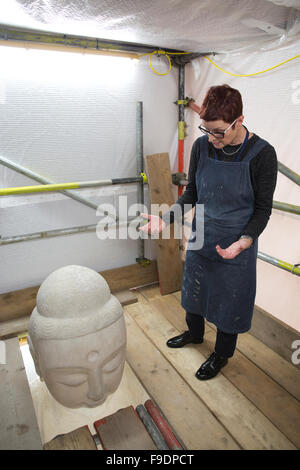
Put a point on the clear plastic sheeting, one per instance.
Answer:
(72, 117)
(190, 25)
(272, 111)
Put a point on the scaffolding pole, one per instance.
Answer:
(140, 171)
(19, 34)
(73, 185)
(292, 268)
(283, 206)
(292, 175)
(62, 232)
(41, 179)
(181, 123)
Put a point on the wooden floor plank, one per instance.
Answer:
(130, 276)
(18, 424)
(150, 292)
(282, 371)
(123, 430)
(12, 328)
(125, 297)
(250, 428)
(274, 333)
(177, 295)
(271, 332)
(140, 297)
(79, 439)
(20, 303)
(193, 424)
(273, 364)
(282, 409)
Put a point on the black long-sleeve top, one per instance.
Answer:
(263, 173)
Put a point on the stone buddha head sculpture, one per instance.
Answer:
(77, 337)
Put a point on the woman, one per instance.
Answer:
(233, 174)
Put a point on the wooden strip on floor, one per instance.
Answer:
(17, 303)
(18, 424)
(130, 276)
(169, 262)
(250, 428)
(149, 292)
(125, 297)
(193, 424)
(123, 430)
(20, 303)
(271, 399)
(280, 370)
(274, 333)
(79, 439)
(274, 401)
(11, 328)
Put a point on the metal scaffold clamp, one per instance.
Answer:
(144, 178)
(295, 269)
(143, 261)
(185, 102)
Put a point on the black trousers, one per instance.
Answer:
(225, 342)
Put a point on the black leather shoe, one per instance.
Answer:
(211, 367)
(182, 340)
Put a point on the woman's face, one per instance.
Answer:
(81, 372)
(220, 126)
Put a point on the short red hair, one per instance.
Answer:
(221, 103)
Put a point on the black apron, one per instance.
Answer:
(222, 290)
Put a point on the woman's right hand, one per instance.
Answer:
(155, 224)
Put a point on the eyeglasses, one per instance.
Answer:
(219, 134)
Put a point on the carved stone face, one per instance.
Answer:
(82, 370)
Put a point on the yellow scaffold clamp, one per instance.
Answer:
(185, 102)
(143, 262)
(145, 179)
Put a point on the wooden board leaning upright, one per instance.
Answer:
(169, 263)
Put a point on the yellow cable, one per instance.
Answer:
(251, 74)
(167, 54)
(160, 52)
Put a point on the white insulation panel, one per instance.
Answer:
(72, 117)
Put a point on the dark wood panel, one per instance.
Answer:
(123, 430)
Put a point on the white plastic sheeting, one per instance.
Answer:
(191, 25)
(72, 117)
(272, 111)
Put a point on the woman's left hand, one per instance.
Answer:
(235, 249)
